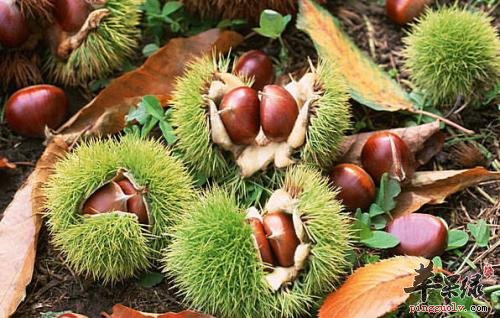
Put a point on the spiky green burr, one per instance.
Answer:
(113, 246)
(453, 52)
(214, 262)
(329, 119)
(104, 50)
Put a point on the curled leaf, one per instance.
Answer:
(19, 230)
(432, 187)
(121, 311)
(368, 84)
(373, 290)
(415, 137)
(105, 113)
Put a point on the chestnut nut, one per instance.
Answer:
(70, 15)
(419, 234)
(387, 152)
(13, 26)
(282, 237)
(278, 112)
(255, 64)
(265, 251)
(404, 11)
(356, 187)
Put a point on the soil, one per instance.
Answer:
(56, 288)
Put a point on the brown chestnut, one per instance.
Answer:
(278, 112)
(419, 234)
(71, 14)
(356, 187)
(117, 196)
(135, 203)
(282, 237)
(404, 11)
(13, 26)
(255, 64)
(386, 152)
(260, 236)
(30, 109)
(239, 111)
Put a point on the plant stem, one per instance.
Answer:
(491, 289)
(465, 259)
(444, 120)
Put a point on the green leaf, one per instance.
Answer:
(137, 113)
(437, 261)
(380, 239)
(152, 7)
(170, 7)
(272, 24)
(375, 210)
(361, 225)
(379, 222)
(456, 239)
(495, 299)
(227, 23)
(480, 231)
(153, 106)
(467, 301)
(149, 49)
(151, 122)
(389, 189)
(150, 279)
(168, 132)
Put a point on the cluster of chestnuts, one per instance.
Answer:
(384, 152)
(243, 114)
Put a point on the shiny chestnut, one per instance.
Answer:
(13, 26)
(404, 11)
(239, 111)
(117, 196)
(265, 251)
(386, 152)
(255, 64)
(282, 237)
(71, 14)
(30, 109)
(356, 187)
(278, 112)
(419, 235)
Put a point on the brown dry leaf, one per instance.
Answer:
(121, 311)
(6, 164)
(19, 232)
(373, 290)
(368, 83)
(105, 113)
(415, 137)
(432, 187)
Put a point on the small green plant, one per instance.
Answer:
(456, 239)
(271, 25)
(453, 52)
(368, 225)
(149, 113)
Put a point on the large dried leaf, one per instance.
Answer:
(121, 311)
(415, 137)
(373, 290)
(432, 187)
(6, 164)
(368, 84)
(105, 113)
(19, 232)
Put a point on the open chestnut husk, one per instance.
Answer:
(385, 152)
(419, 235)
(119, 195)
(29, 110)
(356, 187)
(239, 111)
(257, 65)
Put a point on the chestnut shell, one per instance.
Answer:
(13, 26)
(256, 64)
(404, 11)
(356, 187)
(282, 237)
(71, 14)
(278, 112)
(30, 109)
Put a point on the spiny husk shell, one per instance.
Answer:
(216, 267)
(35, 9)
(242, 9)
(19, 69)
(328, 118)
(113, 246)
(103, 51)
